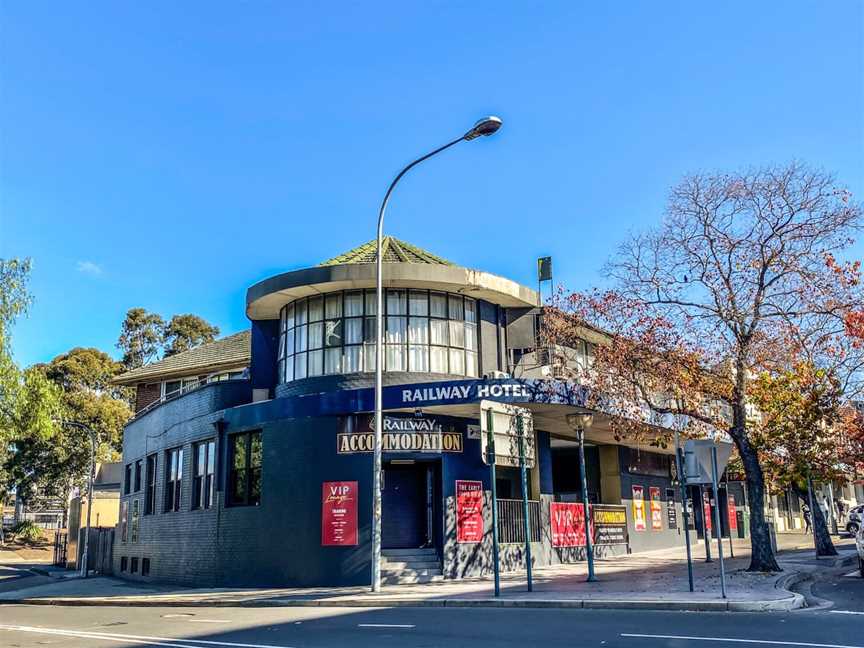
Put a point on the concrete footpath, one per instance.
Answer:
(654, 580)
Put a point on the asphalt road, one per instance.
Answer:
(100, 627)
(845, 590)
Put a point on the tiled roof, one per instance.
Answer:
(230, 351)
(392, 251)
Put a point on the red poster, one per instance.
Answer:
(339, 514)
(706, 508)
(656, 509)
(469, 511)
(733, 517)
(567, 520)
(639, 508)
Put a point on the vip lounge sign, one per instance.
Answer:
(417, 434)
(339, 514)
(568, 524)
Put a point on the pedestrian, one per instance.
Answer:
(806, 510)
(841, 510)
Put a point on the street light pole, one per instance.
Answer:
(484, 127)
(92, 476)
(579, 422)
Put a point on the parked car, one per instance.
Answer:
(853, 520)
(859, 545)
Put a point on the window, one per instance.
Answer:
(424, 331)
(244, 487)
(173, 479)
(127, 480)
(133, 532)
(204, 454)
(150, 496)
(124, 520)
(134, 567)
(124, 563)
(137, 486)
(145, 566)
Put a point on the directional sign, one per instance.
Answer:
(697, 460)
(504, 426)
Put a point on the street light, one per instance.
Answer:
(81, 426)
(579, 423)
(483, 128)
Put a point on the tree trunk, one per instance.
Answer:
(824, 546)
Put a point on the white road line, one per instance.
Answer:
(845, 612)
(386, 625)
(734, 640)
(112, 636)
(209, 621)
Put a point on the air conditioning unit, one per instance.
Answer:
(500, 375)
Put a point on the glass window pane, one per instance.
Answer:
(316, 309)
(280, 369)
(438, 304)
(471, 368)
(256, 454)
(300, 365)
(281, 346)
(471, 337)
(369, 357)
(201, 459)
(438, 363)
(418, 302)
(369, 330)
(457, 333)
(289, 342)
(333, 333)
(457, 310)
(238, 442)
(316, 335)
(457, 361)
(438, 332)
(418, 358)
(316, 363)
(395, 357)
(353, 304)
(352, 358)
(354, 330)
(396, 302)
(396, 329)
(282, 320)
(302, 337)
(300, 312)
(470, 310)
(332, 361)
(371, 302)
(333, 306)
(289, 369)
(418, 330)
(289, 316)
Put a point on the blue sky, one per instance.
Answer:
(168, 155)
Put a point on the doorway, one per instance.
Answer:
(406, 503)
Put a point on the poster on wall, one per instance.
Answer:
(639, 508)
(656, 508)
(733, 514)
(469, 511)
(671, 511)
(610, 524)
(706, 511)
(567, 520)
(339, 514)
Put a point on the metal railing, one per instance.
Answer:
(185, 388)
(511, 521)
(60, 547)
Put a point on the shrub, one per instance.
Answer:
(27, 531)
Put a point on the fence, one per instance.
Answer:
(511, 521)
(60, 545)
(101, 550)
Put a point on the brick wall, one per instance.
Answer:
(147, 393)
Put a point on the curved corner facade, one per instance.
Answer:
(264, 478)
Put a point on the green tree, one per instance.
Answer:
(187, 331)
(141, 336)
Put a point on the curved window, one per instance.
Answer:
(424, 331)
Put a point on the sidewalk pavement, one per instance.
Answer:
(651, 580)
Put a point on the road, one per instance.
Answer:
(95, 627)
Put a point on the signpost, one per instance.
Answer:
(490, 458)
(520, 432)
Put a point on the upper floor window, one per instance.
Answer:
(127, 479)
(204, 454)
(173, 478)
(424, 331)
(150, 495)
(137, 486)
(244, 479)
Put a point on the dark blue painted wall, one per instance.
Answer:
(265, 347)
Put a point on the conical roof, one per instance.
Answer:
(392, 251)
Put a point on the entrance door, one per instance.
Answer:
(403, 503)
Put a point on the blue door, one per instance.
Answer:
(403, 503)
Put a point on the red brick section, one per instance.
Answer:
(146, 394)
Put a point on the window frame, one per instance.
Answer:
(173, 489)
(248, 498)
(204, 484)
(151, 480)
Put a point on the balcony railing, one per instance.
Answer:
(511, 521)
(187, 386)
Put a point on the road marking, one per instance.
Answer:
(138, 639)
(386, 625)
(734, 640)
(845, 612)
(209, 620)
(853, 574)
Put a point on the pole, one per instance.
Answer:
(812, 513)
(706, 521)
(717, 520)
(831, 508)
(490, 457)
(589, 548)
(379, 367)
(682, 480)
(91, 478)
(527, 524)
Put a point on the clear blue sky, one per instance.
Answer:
(170, 154)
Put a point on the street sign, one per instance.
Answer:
(697, 459)
(506, 434)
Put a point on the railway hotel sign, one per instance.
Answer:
(418, 434)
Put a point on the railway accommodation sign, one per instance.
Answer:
(418, 434)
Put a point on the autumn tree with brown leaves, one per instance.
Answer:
(704, 300)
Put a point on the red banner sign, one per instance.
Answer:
(733, 517)
(639, 508)
(706, 510)
(568, 524)
(656, 509)
(469, 511)
(339, 514)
